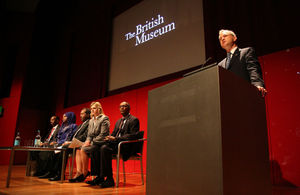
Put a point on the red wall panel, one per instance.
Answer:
(282, 78)
(9, 119)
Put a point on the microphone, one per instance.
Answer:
(202, 67)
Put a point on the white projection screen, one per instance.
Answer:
(156, 38)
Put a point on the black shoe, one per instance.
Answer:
(47, 175)
(38, 174)
(76, 179)
(56, 178)
(108, 183)
(81, 179)
(96, 181)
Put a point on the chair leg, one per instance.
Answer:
(118, 169)
(28, 164)
(62, 174)
(142, 173)
(73, 156)
(124, 172)
(69, 168)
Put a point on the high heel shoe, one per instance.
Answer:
(76, 179)
(81, 179)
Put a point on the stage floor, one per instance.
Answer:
(22, 185)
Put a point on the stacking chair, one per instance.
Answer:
(138, 155)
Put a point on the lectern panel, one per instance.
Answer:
(184, 141)
(207, 134)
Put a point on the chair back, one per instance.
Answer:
(139, 145)
(134, 147)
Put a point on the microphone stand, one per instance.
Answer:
(202, 67)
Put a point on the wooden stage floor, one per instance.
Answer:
(22, 185)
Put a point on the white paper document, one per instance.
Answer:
(76, 143)
(58, 151)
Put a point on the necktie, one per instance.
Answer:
(50, 135)
(120, 127)
(228, 58)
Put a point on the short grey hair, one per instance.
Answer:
(226, 32)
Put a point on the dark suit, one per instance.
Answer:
(81, 131)
(245, 64)
(44, 156)
(128, 131)
(46, 139)
(102, 159)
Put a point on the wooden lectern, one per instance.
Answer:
(207, 134)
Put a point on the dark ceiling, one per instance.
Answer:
(29, 6)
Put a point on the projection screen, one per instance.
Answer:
(156, 38)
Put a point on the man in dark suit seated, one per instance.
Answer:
(44, 156)
(126, 128)
(241, 61)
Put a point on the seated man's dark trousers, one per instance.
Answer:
(44, 161)
(57, 162)
(106, 152)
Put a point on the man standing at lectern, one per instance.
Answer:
(241, 61)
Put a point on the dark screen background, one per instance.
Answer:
(176, 50)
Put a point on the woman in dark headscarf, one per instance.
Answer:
(67, 128)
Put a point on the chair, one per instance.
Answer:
(138, 155)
